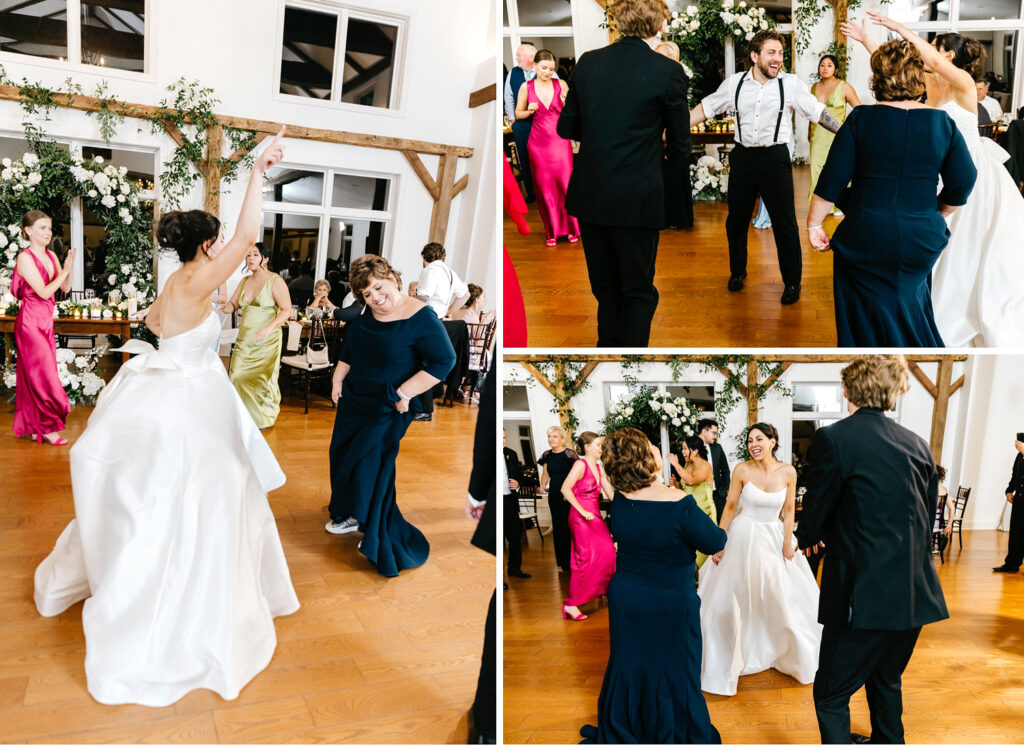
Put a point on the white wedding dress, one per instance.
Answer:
(758, 610)
(978, 281)
(173, 541)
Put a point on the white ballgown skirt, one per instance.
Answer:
(173, 542)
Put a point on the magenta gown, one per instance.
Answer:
(40, 403)
(593, 553)
(551, 164)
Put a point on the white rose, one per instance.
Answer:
(30, 159)
(688, 431)
(127, 219)
(34, 178)
(125, 189)
(691, 10)
(743, 4)
(655, 405)
(749, 35)
(10, 378)
(122, 171)
(6, 162)
(676, 422)
(3, 240)
(764, 25)
(81, 361)
(65, 356)
(92, 192)
(108, 201)
(120, 197)
(98, 159)
(737, 31)
(112, 279)
(628, 411)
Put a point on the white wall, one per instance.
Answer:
(232, 48)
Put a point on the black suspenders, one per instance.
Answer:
(782, 106)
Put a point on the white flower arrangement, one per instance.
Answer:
(685, 22)
(647, 409)
(743, 20)
(75, 371)
(709, 179)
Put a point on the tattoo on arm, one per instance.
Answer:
(828, 122)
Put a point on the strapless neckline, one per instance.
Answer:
(765, 491)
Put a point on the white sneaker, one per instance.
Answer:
(345, 526)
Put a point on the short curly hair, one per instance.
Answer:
(432, 252)
(628, 461)
(641, 18)
(876, 381)
(897, 72)
(366, 269)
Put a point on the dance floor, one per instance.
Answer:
(963, 684)
(365, 659)
(695, 309)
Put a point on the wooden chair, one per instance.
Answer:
(320, 334)
(939, 527)
(481, 339)
(963, 493)
(528, 510)
(988, 130)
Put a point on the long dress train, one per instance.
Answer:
(550, 163)
(977, 285)
(255, 364)
(758, 610)
(593, 553)
(173, 541)
(41, 405)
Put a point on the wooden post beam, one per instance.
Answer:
(752, 381)
(541, 378)
(941, 408)
(241, 151)
(211, 170)
(461, 184)
(484, 95)
(923, 379)
(421, 170)
(443, 204)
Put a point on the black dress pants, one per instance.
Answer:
(620, 262)
(485, 703)
(768, 172)
(559, 508)
(513, 531)
(521, 134)
(1015, 554)
(851, 658)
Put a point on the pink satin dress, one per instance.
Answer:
(40, 403)
(593, 553)
(550, 163)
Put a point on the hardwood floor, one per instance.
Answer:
(963, 683)
(365, 659)
(695, 309)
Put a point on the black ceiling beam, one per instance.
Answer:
(307, 27)
(366, 75)
(366, 37)
(304, 75)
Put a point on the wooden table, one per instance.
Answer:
(76, 327)
(712, 138)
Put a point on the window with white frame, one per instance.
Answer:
(104, 33)
(75, 224)
(546, 24)
(320, 220)
(340, 54)
(815, 405)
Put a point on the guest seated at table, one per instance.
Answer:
(473, 311)
(300, 288)
(321, 299)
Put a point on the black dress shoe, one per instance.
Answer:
(422, 417)
(475, 735)
(854, 737)
(736, 282)
(1005, 569)
(519, 573)
(791, 294)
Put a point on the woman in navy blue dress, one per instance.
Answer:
(392, 352)
(892, 155)
(651, 689)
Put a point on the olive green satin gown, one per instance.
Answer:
(255, 364)
(703, 497)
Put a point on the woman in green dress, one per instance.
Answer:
(695, 474)
(255, 362)
(835, 94)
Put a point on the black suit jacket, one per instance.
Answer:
(1016, 485)
(512, 464)
(621, 98)
(482, 480)
(720, 466)
(872, 491)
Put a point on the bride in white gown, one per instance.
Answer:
(977, 290)
(173, 542)
(759, 599)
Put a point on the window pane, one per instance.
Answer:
(369, 63)
(913, 11)
(504, 13)
(293, 244)
(983, 10)
(349, 239)
(360, 192)
(999, 68)
(817, 398)
(514, 398)
(293, 186)
(307, 53)
(701, 396)
(114, 33)
(544, 13)
(140, 165)
(562, 47)
(16, 147)
(37, 28)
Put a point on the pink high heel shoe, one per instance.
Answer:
(43, 441)
(574, 239)
(580, 617)
(551, 243)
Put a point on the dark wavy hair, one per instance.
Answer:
(627, 458)
(835, 62)
(693, 442)
(185, 231)
(768, 430)
(968, 52)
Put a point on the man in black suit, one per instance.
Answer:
(707, 429)
(872, 491)
(1015, 496)
(483, 718)
(513, 526)
(621, 99)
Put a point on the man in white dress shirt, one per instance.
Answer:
(764, 98)
(991, 105)
(439, 286)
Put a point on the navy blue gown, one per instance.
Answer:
(893, 233)
(368, 429)
(651, 689)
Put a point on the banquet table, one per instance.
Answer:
(121, 327)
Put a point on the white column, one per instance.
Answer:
(77, 241)
(730, 55)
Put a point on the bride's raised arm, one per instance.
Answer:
(962, 82)
(212, 275)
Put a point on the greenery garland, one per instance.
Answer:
(730, 395)
(564, 375)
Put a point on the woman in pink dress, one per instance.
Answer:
(593, 553)
(40, 403)
(550, 155)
